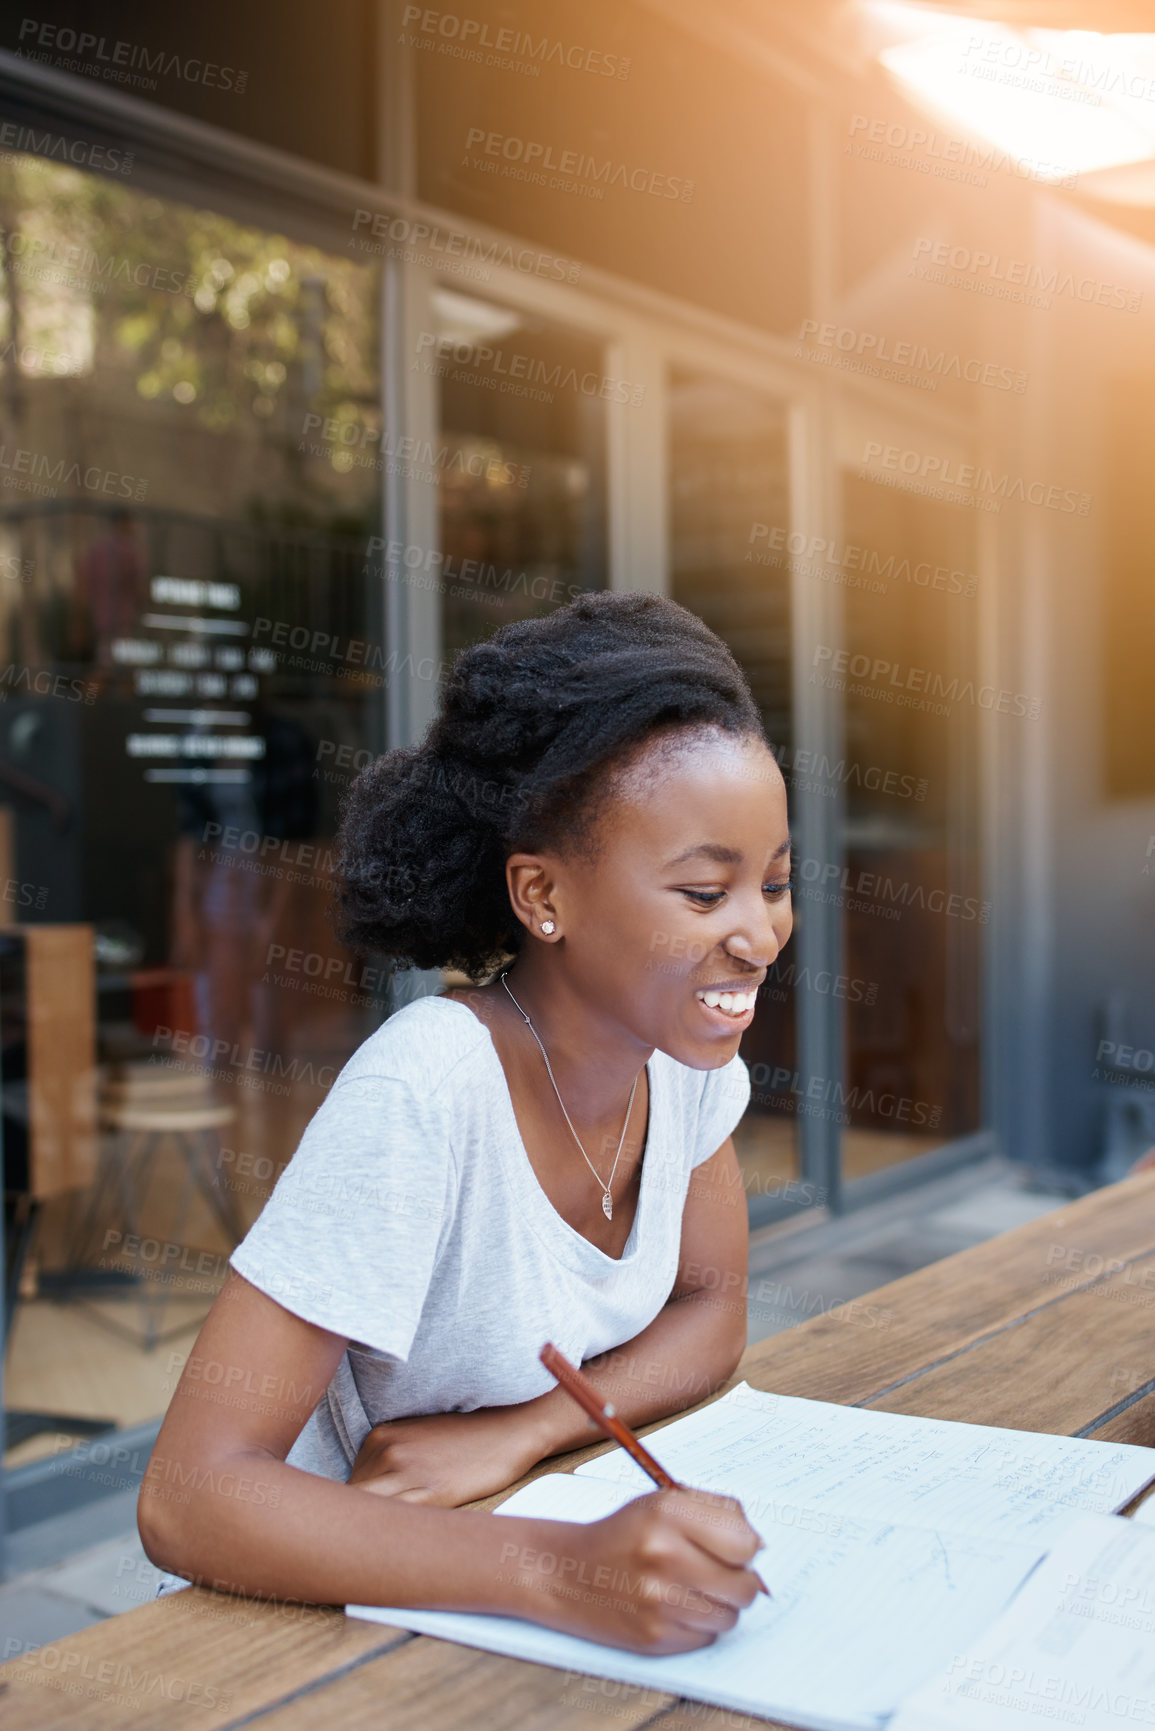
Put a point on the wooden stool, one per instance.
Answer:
(140, 1111)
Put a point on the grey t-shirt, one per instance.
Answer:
(410, 1221)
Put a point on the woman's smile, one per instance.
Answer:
(730, 1004)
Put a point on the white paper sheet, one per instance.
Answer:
(891, 1543)
(861, 1613)
(777, 1452)
(1077, 1645)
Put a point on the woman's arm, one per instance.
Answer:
(220, 1506)
(688, 1351)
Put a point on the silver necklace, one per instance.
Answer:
(607, 1197)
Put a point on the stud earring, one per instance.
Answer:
(547, 927)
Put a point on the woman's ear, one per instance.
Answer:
(532, 887)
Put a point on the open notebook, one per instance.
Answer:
(1076, 1645)
(892, 1543)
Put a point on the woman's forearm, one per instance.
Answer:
(248, 1523)
(687, 1352)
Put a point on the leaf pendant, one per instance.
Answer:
(608, 1205)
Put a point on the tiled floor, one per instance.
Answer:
(794, 1274)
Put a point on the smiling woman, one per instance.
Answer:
(595, 832)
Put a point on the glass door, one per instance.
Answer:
(881, 984)
(193, 669)
(729, 515)
(909, 882)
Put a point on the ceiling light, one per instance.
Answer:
(1059, 102)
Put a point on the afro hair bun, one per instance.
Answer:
(527, 721)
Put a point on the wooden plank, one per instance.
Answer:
(1135, 1424)
(1056, 1370)
(697, 1716)
(430, 1683)
(856, 1352)
(192, 1661)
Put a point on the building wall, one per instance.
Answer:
(757, 199)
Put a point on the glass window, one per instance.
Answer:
(522, 507)
(523, 512)
(910, 883)
(193, 665)
(730, 521)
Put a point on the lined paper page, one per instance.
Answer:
(786, 1457)
(1076, 1646)
(861, 1614)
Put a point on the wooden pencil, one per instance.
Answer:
(602, 1412)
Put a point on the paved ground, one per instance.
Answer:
(793, 1275)
(810, 1269)
(43, 1605)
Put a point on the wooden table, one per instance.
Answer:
(1048, 1328)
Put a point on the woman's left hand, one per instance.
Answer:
(449, 1458)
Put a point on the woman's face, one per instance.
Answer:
(686, 897)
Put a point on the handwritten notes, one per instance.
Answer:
(1076, 1646)
(777, 1452)
(891, 1544)
(860, 1614)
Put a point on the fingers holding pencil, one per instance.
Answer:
(723, 1514)
(717, 1528)
(661, 1578)
(717, 1524)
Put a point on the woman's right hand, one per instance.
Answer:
(667, 1573)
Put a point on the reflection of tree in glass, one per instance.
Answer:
(227, 321)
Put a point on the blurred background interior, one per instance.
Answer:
(331, 341)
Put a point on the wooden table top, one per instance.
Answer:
(1047, 1328)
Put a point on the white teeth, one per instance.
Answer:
(733, 1003)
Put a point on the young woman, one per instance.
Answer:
(596, 828)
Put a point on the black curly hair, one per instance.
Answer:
(530, 723)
